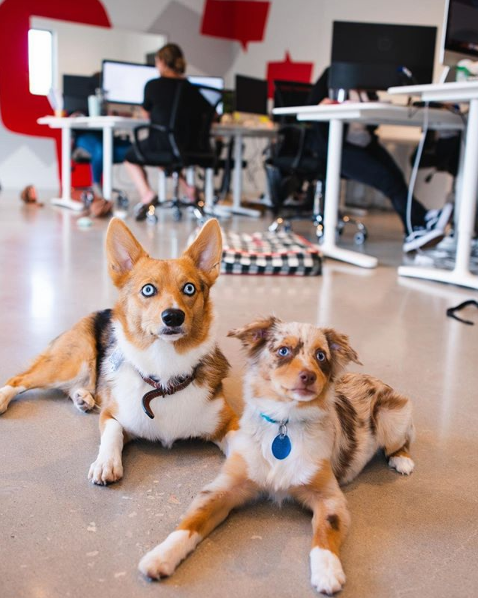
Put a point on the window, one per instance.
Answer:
(40, 61)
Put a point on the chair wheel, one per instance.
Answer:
(360, 237)
(319, 231)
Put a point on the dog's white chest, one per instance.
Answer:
(254, 443)
(185, 414)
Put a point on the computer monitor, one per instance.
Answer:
(460, 32)
(123, 82)
(372, 56)
(76, 89)
(214, 82)
(251, 95)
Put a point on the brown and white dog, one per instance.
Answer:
(306, 428)
(156, 342)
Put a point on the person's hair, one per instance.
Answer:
(173, 58)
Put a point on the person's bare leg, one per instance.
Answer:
(140, 181)
(189, 191)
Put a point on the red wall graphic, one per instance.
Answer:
(288, 70)
(241, 20)
(19, 108)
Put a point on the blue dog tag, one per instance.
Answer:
(281, 446)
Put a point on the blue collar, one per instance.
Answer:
(284, 422)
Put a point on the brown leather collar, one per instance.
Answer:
(173, 386)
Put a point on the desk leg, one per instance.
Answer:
(237, 183)
(461, 274)
(107, 162)
(65, 200)
(332, 197)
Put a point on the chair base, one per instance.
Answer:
(177, 204)
(283, 223)
(317, 218)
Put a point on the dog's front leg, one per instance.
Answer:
(330, 523)
(229, 490)
(108, 466)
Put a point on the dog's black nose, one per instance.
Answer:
(307, 377)
(173, 317)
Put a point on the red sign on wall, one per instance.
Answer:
(288, 70)
(241, 20)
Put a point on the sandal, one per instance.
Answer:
(100, 207)
(141, 209)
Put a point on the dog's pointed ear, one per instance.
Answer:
(206, 250)
(122, 251)
(340, 350)
(253, 336)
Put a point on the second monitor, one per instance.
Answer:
(375, 56)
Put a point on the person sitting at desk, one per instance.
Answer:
(365, 160)
(159, 95)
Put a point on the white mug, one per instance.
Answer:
(94, 107)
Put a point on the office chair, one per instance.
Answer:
(291, 165)
(176, 152)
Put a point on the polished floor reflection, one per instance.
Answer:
(60, 536)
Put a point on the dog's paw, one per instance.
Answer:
(6, 395)
(106, 470)
(83, 400)
(156, 565)
(403, 465)
(163, 560)
(327, 575)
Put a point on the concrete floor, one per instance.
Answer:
(61, 536)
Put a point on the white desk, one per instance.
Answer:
(239, 132)
(457, 93)
(368, 113)
(106, 124)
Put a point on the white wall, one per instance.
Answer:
(80, 49)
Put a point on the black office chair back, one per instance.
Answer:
(185, 140)
(290, 93)
(198, 149)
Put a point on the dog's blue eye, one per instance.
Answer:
(283, 351)
(320, 355)
(189, 289)
(148, 290)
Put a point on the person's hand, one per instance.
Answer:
(326, 101)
